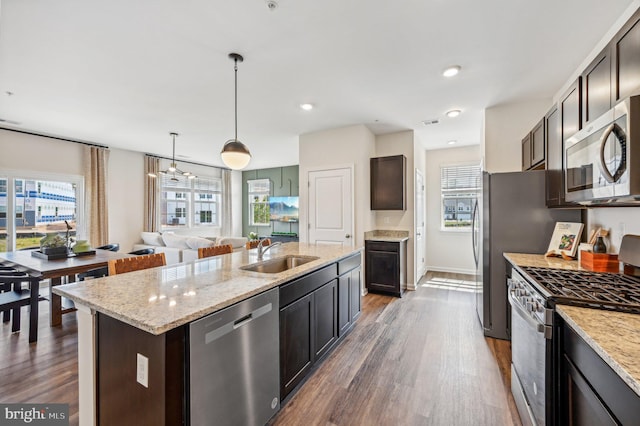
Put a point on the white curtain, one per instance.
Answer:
(96, 165)
(226, 228)
(151, 187)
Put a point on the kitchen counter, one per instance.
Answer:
(386, 236)
(160, 299)
(615, 336)
(541, 261)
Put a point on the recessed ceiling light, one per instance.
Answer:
(453, 113)
(451, 71)
(451, 142)
(306, 107)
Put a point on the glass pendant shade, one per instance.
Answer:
(235, 154)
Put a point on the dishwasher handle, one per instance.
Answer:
(242, 321)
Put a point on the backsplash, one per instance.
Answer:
(617, 220)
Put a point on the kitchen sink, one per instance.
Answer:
(279, 264)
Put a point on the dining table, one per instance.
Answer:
(56, 270)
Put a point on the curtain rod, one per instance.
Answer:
(44, 135)
(186, 161)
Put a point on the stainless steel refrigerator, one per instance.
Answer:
(509, 216)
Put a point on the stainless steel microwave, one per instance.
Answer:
(602, 161)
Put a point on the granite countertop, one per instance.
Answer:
(615, 336)
(386, 235)
(159, 299)
(541, 261)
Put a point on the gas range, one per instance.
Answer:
(602, 290)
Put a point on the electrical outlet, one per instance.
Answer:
(142, 372)
(386, 219)
(621, 229)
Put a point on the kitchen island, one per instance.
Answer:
(157, 305)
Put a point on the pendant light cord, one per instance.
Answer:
(235, 69)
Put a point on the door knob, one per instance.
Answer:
(348, 236)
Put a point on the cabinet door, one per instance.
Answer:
(579, 404)
(537, 144)
(526, 152)
(388, 183)
(344, 319)
(355, 294)
(325, 325)
(596, 87)
(383, 271)
(626, 52)
(553, 176)
(296, 339)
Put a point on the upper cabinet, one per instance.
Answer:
(533, 148)
(388, 183)
(625, 53)
(596, 87)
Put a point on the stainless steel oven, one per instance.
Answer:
(601, 162)
(531, 351)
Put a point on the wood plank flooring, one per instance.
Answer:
(419, 360)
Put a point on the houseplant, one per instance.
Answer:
(53, 243)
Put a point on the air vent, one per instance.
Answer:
(430, 122)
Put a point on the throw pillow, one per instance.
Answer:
(152, 238)
(198, 242)
(175, 241)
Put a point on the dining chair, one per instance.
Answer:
(214, 251)
(13, 296)
(253, 244)
(136, 263)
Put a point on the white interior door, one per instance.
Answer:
(331, 207)
(420, 228)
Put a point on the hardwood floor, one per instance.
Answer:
(45, 371)
(419, 360)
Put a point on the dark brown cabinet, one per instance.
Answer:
(325, 321)
(312, 310)
(590, 392)
(533, 148)
(386, 267)
(296, 351)
(553, 176)
(349, 299)
(388, 183)
(626, 57)
(596, 87)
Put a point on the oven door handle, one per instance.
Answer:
(537, 325)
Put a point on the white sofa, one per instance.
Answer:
(183, 248)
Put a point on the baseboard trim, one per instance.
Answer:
(451, 270)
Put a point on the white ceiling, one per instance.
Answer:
(125, 73)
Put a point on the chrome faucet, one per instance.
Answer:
(262, 250)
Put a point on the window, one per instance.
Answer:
(190, 202)
(258, 194)
(459, 186)
(33, 204)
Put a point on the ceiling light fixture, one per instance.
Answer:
(173, 167)
(451, 142)
(234, 153)
(306, 107)
(451, 71)
(453, 113)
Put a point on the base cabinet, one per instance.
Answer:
(315, 312)
(386, 266)
(590, 392)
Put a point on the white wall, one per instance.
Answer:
(125, 187)
(504, 128)
(346, 146)
(447, 251)
(396, 144)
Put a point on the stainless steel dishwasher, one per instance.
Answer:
(234, 364)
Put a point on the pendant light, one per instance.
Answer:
(234, 153)
(173, 167)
